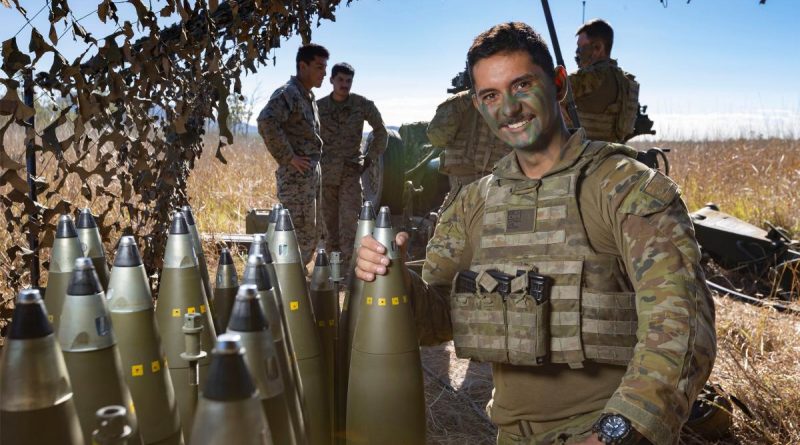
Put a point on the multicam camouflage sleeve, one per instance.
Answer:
(676, 339)
(271, 123)
(448, 252)
(380, 137)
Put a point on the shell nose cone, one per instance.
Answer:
(29, 319)
(322, 258)
(247, 315)
(86, 219)
(228, 377)
(276, 210)
(260, 247)
(284, 223)
(187, 212)
(66, 227)
(84, 280)
(384, 220)
(367, 211)
(255, 273)
(178, 226)
(225, 257)
(228, 344)
(127, 253)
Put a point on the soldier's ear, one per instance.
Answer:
(475, 100)
(561, 82)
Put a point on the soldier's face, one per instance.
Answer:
(516, 98)
(341, 85)
(587, 51)
(314, 72)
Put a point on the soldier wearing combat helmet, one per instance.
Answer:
(572, 268)
(606, 97)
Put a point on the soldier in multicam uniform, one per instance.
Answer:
(574, 270)
(606, 97)
(470, 148)
(342, 115)
(289, 125)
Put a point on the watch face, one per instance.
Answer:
(614, 427)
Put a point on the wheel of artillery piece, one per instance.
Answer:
(383, 180)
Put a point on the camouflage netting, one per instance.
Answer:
(135, 108)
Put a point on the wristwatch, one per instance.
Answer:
(614, 429)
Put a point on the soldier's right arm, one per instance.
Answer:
(444, 126)
(449, 251)
(271, 123)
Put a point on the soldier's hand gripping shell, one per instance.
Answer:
(371, 258)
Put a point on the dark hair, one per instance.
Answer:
(344, 68)
(599, 29)
(308, 52)
(510, 37)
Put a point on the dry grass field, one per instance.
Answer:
(759, 350)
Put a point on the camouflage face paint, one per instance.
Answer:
(516, 98)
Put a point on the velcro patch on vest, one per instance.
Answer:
(557, 187)
(661, 188)
(522, 220)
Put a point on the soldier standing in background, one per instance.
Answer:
(607, 98)
(470, 148)
(342, 115)
(574, 270)
(289, 125)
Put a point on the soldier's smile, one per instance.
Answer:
(518, 125)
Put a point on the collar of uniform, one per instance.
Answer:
(299, 85)
(508, 167)
(603, 63)
(343, 103)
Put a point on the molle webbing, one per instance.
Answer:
(536, 225)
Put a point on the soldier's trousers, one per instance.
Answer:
(340, 203)
(298, 193)
(569, 431)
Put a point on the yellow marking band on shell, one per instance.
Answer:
(190, 310)
(322, 323)
(50, 318)
(176, 312)
(155, 366)
(294, 305)
(202, 308)
(395, 301)
(137, 370)
(132, 408)
(331, 322)
(369, 301)
(405, 299)
(381, 302)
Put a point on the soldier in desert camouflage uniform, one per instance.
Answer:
(470, 148)
(606, 97)
(289, 125)
(626, 327)
(342, 115)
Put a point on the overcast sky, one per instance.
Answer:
(710, 68)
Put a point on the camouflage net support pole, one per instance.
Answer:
(30, 163)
